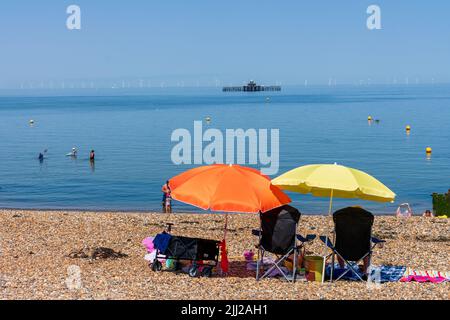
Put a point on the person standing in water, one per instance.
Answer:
(74, 152)
(41, 156)
(92, 160)
(167, 198)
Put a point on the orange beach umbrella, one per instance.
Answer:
(227, 188)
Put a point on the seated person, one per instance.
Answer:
(364, 267)
(428, 214)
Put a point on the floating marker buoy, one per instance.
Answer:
(408, 128)
(428, 151)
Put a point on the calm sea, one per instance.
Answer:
(130, 132)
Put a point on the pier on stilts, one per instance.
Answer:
(251, 87)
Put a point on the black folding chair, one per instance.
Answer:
(353, 239)
(278, 236)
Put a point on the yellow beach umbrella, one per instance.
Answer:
(333, 180)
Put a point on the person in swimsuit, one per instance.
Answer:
(92, 155)
(167, 198)
(168, 203)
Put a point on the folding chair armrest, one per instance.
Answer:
(377, 241)
(327, 241)
(308, 238)
(256, 232)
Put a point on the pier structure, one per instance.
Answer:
(252, 87)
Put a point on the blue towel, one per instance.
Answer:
(392, 273)
(387, 273)
(161, 241)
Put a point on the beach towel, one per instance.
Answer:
(148, 244)
(150, 257)
(386, 273)
(267, 262)
(251, 266)
(425, 276)
(161, 241)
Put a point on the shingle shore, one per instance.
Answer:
(36, 260)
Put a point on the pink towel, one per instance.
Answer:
(425, 276)
(148, 244)
(423, 279)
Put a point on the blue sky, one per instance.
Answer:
(232, 41)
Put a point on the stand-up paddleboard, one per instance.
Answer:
(73, 153)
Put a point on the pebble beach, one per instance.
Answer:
(38, 250)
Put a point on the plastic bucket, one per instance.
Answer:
(314, 268)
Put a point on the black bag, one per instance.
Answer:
(185, 248)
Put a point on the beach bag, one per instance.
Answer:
(194, 249)
(404, 211)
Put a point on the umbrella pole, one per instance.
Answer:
(224, 237)
(326, 244)
(331, 202)
(226, 227)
